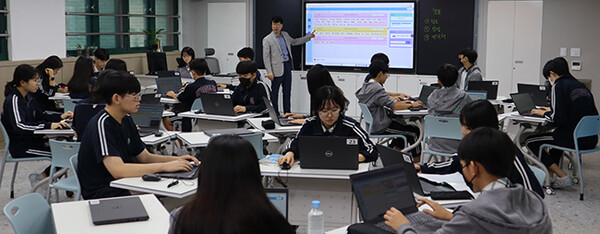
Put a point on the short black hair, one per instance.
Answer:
(101, 54)
(246, 67)
(199, 66)
(246, 52)
(447, 74)
(116, 64)
(327, 94)
(378, 66)
(558, 65)
(380, 56)
(276, 19)
(112, 82)
(471, 54)
(492, 148)
(479, 113)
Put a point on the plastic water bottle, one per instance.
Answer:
(316, 220)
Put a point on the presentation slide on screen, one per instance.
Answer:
(348, 34)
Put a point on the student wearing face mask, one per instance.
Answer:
(248, 96)
(500, 208)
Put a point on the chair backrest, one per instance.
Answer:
(442, 127)
(197, 105)
(62, 152)
(256, 140)
(30, 214)
(213, 65)
(540, 175)
(5, 135)
(73, 161)
(367, 116)
(70, 104)
(587, 126)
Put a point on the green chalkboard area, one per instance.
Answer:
(444, 28)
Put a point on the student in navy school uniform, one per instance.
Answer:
(48, 88)
(248, 96)
(21, 116)
(81, 83)
(117, 65)
(184, 66)
(111, 147)
(328, 120)
(244, 54)
(101, 58)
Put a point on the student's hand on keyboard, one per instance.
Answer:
(176, 165)
(59, 125)
(68, 115)
(297, 121)
(417, 168)
(417, 103)
(287, 158)
(171, 94)
(540, 111)
(438, 212)
(292, 115)
(221, 86)
(394, 218)
(239, 109)
(189, 158)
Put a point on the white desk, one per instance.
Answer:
(164, 100)
(257, 124)
(224, 118)
(167, 113)
(181, 190)
(75, 217)
(154, 140)
(59, 96)
(199, 139)
(270, 169)
(63, 132)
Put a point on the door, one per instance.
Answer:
(227, 40)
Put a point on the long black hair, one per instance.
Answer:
(53, 62)
(230, 197)
(318, 76)
(23, 72)
(84, 70)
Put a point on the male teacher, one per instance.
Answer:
(277, 56)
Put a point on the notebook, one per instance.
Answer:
(328, 152)
(490, 86)
(166, 84)
(218, 104)
(148, 119)
(117, 210)
(524, 104)
(275, 117)
(538, 93)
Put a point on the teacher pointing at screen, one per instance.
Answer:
(277, 57)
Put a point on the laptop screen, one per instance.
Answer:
(491, 86)
(148, 116)
(377, 191)
(425, 92)
(166, 84)
(523, 102)
(279, 198)
(475, 95)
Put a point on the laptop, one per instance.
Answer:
(490, 86)
(148, 118)
(227, 131)
(477, 95)
(168, 73)
(118, 210)
(187, 175)
(218, 104)
(425, 92)
(166, 84)
(378, 190)
(150, 99)
(273, 114)
(524, 104)
(279, 199)
(421, 186)
(328, 152)
(538, 93)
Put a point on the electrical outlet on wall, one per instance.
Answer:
(576, 65)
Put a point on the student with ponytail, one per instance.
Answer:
(47, 70)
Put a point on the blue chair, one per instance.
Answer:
(256, 140)
(587, 126)
(30, 214)
(8, 158)
(366, 114)
(440, 127)
(197, 105)
(69, 104)
(73, 161)
(62, 151)
(540, 174)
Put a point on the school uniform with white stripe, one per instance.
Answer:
(21, 116)
(344, 127)
(104, 136)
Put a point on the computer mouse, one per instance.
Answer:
(158, 134)
(151, 177)
(285, 166)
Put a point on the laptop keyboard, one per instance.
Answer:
(386, 228)
(419, 218)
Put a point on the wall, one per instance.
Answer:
(573, 24)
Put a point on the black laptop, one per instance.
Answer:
(166, 84)
(187, 175)
(273, 114)
(218, 104)
(148, 118)
(117, 210)
(425, 92)
(150, 99)
(524, 104)
(419, 185)
(538, 93)
(279, 199)
(328, 152)
(378, 190)
(490, 86)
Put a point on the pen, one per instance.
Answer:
(173, 183)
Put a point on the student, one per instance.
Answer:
(328, 120)
(248, 96)
(82, 81)
(48, 70)
(21, 116)
(117, 65)
(111, 147)
(383, 57)
(469, 71)
(229, 160)
(187, 55)
(245, 54)
(101, 57)
(571, 101)
(482, 113)
(500, 207)
(446, 102)
(374, 96)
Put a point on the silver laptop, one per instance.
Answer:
(118, 210)
(275, 117)
(166, 84)
(148, 118)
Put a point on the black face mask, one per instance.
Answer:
(245, 82)
(469, 183)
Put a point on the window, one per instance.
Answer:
(3, 31)
(119, 25)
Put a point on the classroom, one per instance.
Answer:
(475, 116)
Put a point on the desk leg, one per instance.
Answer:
(419, 124)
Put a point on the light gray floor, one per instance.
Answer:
(568, 213)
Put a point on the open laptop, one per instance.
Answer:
(148, 118)
(273, 114)
(166, 84)
(477, 95)
(524, 104)
(490, 86)
(168, 73)
(538, 93)
(227, 131)
(328, 152)
(378, 190)
(150, 99)
(425, 92)
(218, 104)
(187, 175)
(279, 199)
(421, 186)
(118, 210)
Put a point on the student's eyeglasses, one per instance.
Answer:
(329, 111)
(136, 97)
